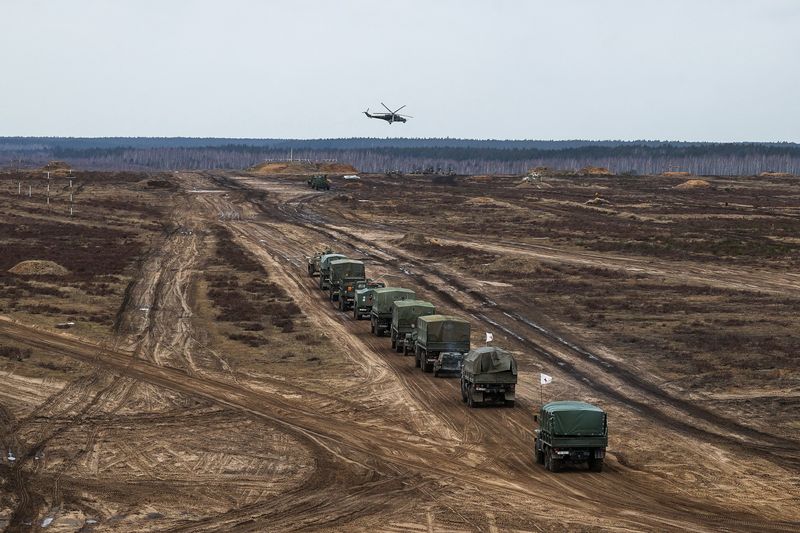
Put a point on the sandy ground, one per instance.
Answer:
(161, 426)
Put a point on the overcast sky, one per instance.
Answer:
(721, 70)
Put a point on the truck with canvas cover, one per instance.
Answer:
(488, 375)
(404, 320)
(312, 263)
(382, 302)
(362, 302)
(435, 334)
(345, 273)
(571, 432)
(319, 183)
(325, 269)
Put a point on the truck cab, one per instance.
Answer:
(364, 296)
(571, 432)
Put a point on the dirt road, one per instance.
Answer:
(210, 446)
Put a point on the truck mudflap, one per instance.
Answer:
(578, 455)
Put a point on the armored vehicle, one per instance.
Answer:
(404, 319)
(435, 334)
(344, 275)
(571, 433)
(362, 302)
(325, 269)
(319, 183)
(313, 262)
(489, 375)
(381, 314)
(448, 363)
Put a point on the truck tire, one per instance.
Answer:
(398, 348)
(463, 394)
(470, 401)
(435, 373)
(510, 403)
(555, 465)
(416, 357)
(596, 465)
(394, 343)
(539, 456)
(372, 327)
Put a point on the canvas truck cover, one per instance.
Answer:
(492, 362)
(346, 268)
(383, 299)
(325, 260)
(442, 329)
(405, 312)
(574, 419)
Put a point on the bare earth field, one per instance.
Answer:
(207, 385)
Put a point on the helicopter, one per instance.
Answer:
(389, 117)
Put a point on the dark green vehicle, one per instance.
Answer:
(362, 302)
(382, 300)
(344, 274)
(325, 269)
(319, 183)
(404, 320)
(489, 375)
(571, 432)
(435, 334)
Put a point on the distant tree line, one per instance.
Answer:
(463, 156)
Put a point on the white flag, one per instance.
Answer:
(489, 337)
(544, 379)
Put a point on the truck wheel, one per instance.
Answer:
(416, 357)
(470, 401)
(510, 403)
(394, 343)
(539, 457)
(435, 373)
(463, 394)
(596, 465)
(372, 327)
(398, 348)
(554, 464)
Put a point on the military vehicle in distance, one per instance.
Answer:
(319, 183)
(489, 375)
(313, 262)
(381, 314)
(344, 274)
(571, 432)
(325, 269)
(404, 320)
(362, 301)
(435, 334)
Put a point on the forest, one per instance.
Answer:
(461, 156)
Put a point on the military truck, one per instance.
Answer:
(381, 314)
(313, 262)
(435, 334)
(571, 432)
(362, 302)
(448, 364)
(344, 274)
(404, 320)
(489, 375)
(325, 269)
(319, 183)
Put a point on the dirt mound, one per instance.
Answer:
(597, 200)
(301, 167)
(38, 268)
(675, 173)
(775, 175)
(414, 239)
(594, 171)
(56, 165)
(693, 184)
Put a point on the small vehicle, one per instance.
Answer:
(344, 274)
(448, 364)
(319, 183)
(364, 298)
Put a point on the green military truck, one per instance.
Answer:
(381, 314)
(571, 432)
(325, 269)
(362, 302)
(404, 320)
(313, 262)
(344, 274)
(435, 334)
(488, 375)
(319, 183)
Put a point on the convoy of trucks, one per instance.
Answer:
(570, 432)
